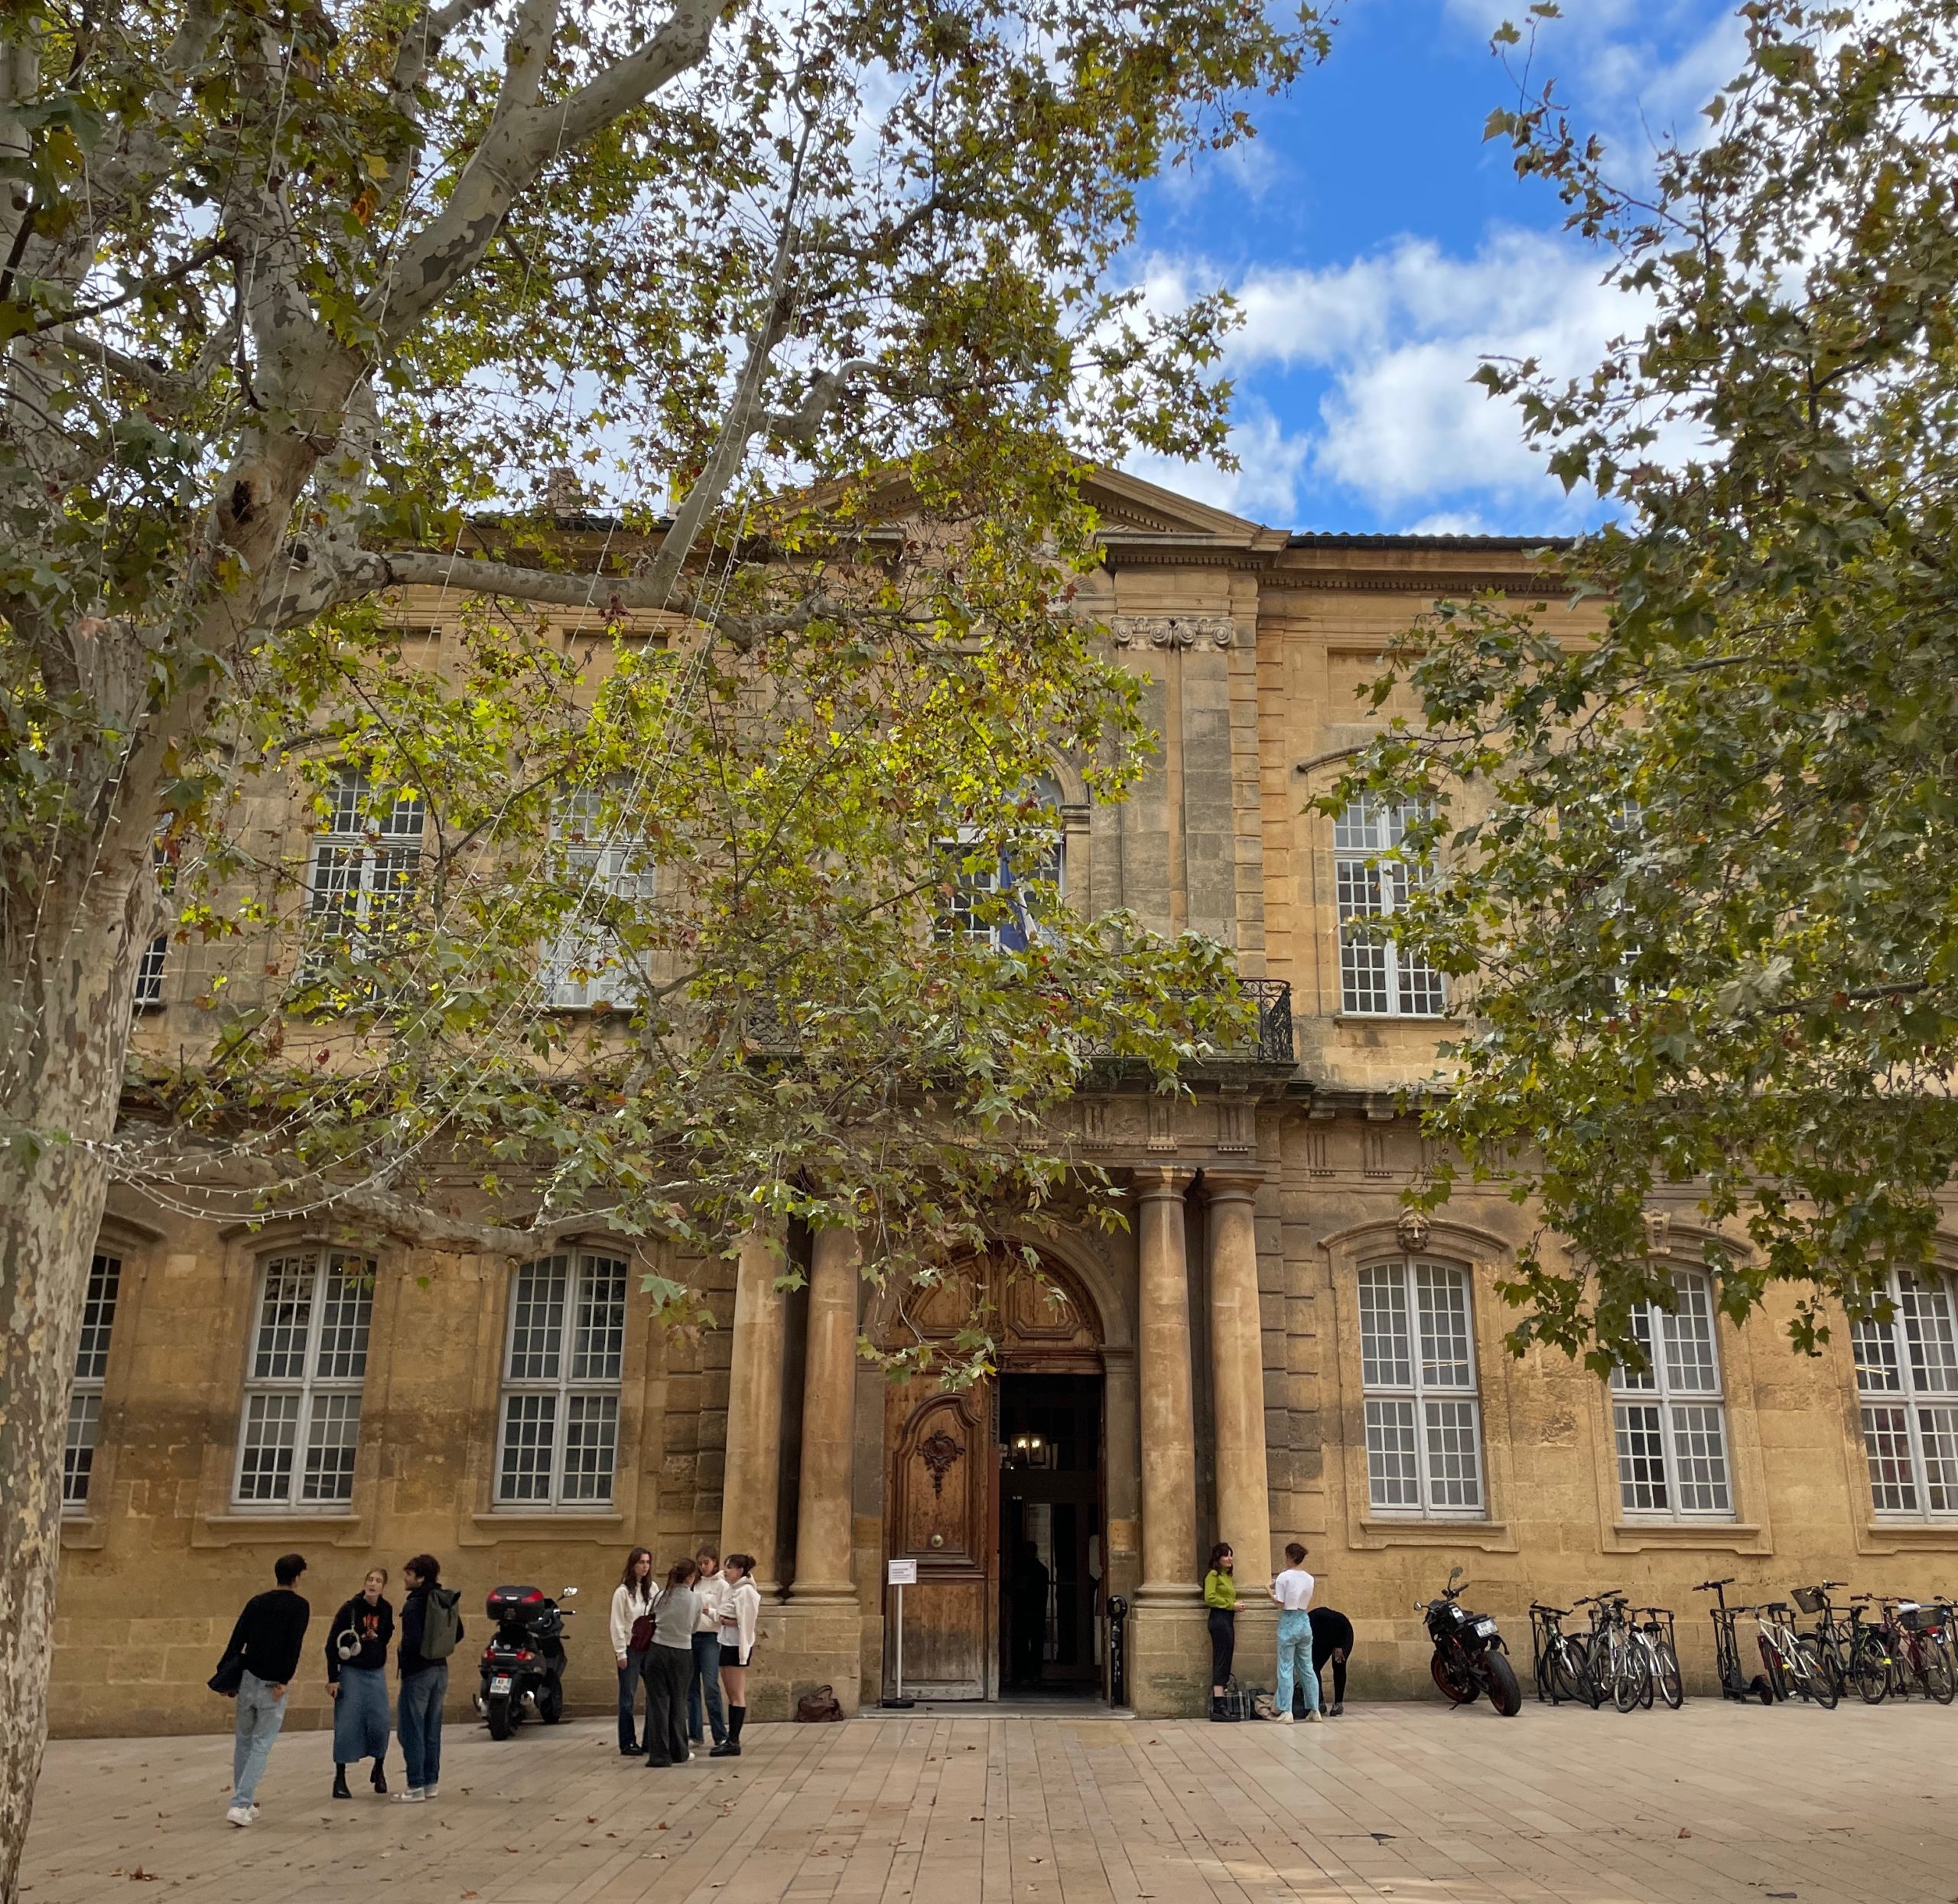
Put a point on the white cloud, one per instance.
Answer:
(1393, 340)
(1265, 485)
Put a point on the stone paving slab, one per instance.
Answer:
(1716, 1804)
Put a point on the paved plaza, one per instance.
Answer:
(1713, 1803)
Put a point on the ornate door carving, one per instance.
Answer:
(941, 1515)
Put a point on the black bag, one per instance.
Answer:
(1240, 1702)
(821, 1707)
(230, 1676)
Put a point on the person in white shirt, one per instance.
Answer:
(1293, 1590)
(740, 1614)
(631, 1601)
(705, 1684)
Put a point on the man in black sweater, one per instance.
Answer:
(267, 1638)
(1332, 1639)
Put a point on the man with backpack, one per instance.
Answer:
(430, 1630)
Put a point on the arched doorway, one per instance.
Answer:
(996, 1492)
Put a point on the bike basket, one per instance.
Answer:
(1809, 1599)
(1919, 1619)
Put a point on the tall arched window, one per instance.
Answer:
(1907, 1377)
(562, 1363)
(1670, 1422)
(1378, 978)
(1417, 1372)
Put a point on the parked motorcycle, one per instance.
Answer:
(523, 1665)
(1469, 1658)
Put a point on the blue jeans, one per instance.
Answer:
(259, 1717)
(706, 1681)
(1295, 1661)
(418, 1721)
(629, 1674)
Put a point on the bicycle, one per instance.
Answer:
(1727, 1647)
(1558, 1659)
(1870, 1663)
(1619, 1665)
(1835, 1639)
(1910, 1625)
(1791, 1659)
(1655, 1629)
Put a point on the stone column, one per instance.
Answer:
(829, 1404)
(1237, 1346)
(752, 1485)
(1168, 1427)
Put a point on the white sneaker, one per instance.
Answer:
(239, 1815)
(413, 1795)
(1315, 1717)
(429, 1791)
(1283, 1719)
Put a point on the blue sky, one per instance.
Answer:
(1380, 250)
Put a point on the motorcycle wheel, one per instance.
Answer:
(551, 1702)
(1456, 1695)
(499, 1715)
(1505, 1692)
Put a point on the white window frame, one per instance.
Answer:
(1409, 1389)
(1378, 977)
(558, 1377)
(365, 865)
(582, 966)
(1684, 1388)
(1907, 1368)
(84, 1394)
(1023, 928)
(303, 1384)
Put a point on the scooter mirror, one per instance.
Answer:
(570, 1593)
(1454, 1574)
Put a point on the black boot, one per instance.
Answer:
(380, 1779)
(730, 1746)
(340, 1782)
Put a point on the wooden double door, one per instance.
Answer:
(995, 1492)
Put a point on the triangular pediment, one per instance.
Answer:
(1128, 506)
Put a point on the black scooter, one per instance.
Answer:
(1470, 1659)
(524, 1662)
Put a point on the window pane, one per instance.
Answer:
(331, 1439)
(391, 885)
(285, 1314)
(1359, 829)
(591, 1432)
(1455, 1467)
(1443, 1296)
(1362, 959)
(1874, 1344)
(598, 1348)
(78, 1452)
(98, 1318)
(149, 971)
(1625, 1379)
(1887, 1441)
(1393, 1479)
(265, 1462)
(333, 890)
(1641, 1458)
(530, 1425)
(1421, 991)
(1386, 1355)
(1700, 1458)
(346, 1306)
(1937, 1431)
(1924, 1311)
(537, 1325)
(1687, 1339)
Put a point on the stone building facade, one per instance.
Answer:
(1274, 1349)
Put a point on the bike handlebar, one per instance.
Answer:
(1706, 1587)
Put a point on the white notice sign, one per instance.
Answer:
(904, 1573)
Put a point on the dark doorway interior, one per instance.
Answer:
(1051, 1552)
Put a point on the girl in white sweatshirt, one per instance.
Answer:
(631, 1601)
(741, 1615)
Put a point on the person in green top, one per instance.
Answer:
(1220, 1595)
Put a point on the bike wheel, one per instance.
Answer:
(1869, 1672)
(1672, 1683)
(1649, 1675)
(1576, 1671)
(1776, 1674)
(1630, 1680)
(1505, 1695)
(1816, 1684)
(1935, 1674)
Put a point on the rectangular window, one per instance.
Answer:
(1417, 1368)
(1377, 977)
(366, 861)
(604, 864)
(301, 1425)
(561, 1371)
(91, 1369)
(1906, 1376)
(1669, 1419)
